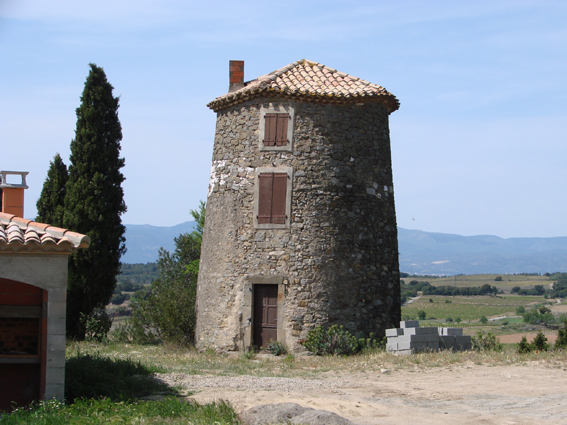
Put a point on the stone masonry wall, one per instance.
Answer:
(339, 258)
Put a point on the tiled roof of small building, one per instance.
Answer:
(310, 81)
(20, 234)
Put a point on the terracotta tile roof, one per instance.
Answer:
(310, 81)
(20, 234)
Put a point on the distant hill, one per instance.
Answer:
(144, 241)
(447, 254)
(420, 252)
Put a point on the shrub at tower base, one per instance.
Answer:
(94, 201)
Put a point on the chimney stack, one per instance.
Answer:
(236, 75)
(13, 193)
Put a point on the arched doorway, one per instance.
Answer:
(23, 343)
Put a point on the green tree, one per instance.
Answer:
(421, 314)
(483, 320)
(561, 342)
(540, 342)
(169, 311)
(94, 201)
(51, 202)
(524, 346)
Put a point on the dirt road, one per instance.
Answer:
(473, 394)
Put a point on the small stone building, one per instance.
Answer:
(33, 286)
(300, 225)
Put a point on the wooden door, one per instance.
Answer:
(265, 314)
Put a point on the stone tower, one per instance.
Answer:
(300, 223)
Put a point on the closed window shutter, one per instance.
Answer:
(270, 129)
(281, 129)
(265, 181)
(279, 198)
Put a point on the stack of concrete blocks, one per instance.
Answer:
(453, 339)
(409, 337)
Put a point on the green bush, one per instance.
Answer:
(337, 341)
(520, 310)
(483, 320)
(421, 314)
(561, 342)
(486, 342)
(249, 353)
(118, 299)
(276, 348)
(168, 312)
(540, 342)
(534, 316)
(524, 346)
(449, 319)
(133, 332)
(97, 324)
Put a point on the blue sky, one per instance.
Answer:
(478, 145)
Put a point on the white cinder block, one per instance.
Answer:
(420, 331)
(392, 346)
(394, 332)
(409, 324)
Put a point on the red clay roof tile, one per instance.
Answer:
(308, 80)
(18, 233)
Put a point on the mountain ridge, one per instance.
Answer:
(421, 252)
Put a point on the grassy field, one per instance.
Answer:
(468, 308)
(508, 280)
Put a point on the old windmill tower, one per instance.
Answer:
(300, 223)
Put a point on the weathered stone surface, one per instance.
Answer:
(291, 413)
(338, 259)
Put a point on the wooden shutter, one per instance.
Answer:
(265, 180)
(279, 198)
(270, 124)
(281, 129)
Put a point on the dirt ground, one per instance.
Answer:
(515, 338)
(512, 394)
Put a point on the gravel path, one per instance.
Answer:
(253, 383)
(464, 394)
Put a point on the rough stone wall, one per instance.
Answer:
(339, 258)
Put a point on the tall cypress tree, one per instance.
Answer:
(94, 201)
(51, 202)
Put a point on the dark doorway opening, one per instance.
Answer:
(23, 328)
(265, 315)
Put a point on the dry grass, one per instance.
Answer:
(183, 360)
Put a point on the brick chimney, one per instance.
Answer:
(236, 75)
(13, 193)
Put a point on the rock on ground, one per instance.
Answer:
(291, 413)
